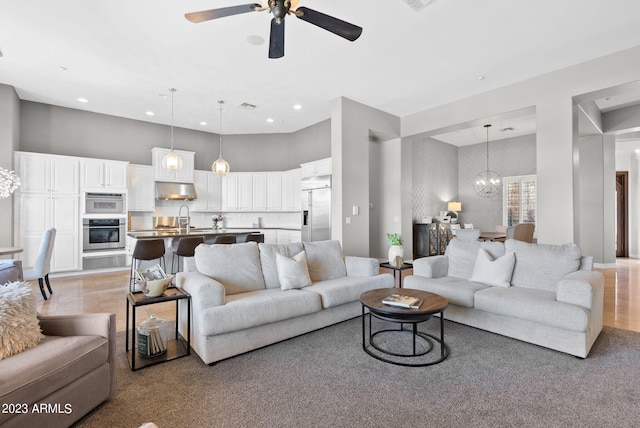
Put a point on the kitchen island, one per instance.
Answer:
(181, 232)
(171, 236)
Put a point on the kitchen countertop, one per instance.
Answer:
(177, 233)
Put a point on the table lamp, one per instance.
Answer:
(454, 208)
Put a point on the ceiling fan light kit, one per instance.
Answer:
(172, 161)
(280, 9)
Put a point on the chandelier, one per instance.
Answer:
(171, 161)
(9, 182)
(487, 183)
(220, 166)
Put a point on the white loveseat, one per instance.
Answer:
(238, 300)
(542, 294)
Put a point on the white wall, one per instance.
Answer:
(351, 127)
(385, 196)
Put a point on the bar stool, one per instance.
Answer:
(220, 239)
(186, 248)
(145, 249)
(256, 237)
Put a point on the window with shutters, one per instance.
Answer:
(519, 199)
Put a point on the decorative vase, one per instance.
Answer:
(394, 251)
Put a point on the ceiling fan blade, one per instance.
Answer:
(276, 40)
(336, 26)
(207, 15)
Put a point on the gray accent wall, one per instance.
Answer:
(9, 137)
(58, 130)
(434, 176)
(509, 157)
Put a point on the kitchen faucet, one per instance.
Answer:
(182, 221)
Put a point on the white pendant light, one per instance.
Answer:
(220, 166)
(172, 161)
(487, 183)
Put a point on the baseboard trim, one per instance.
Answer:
(604, 265)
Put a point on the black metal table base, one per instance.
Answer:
(419, 338)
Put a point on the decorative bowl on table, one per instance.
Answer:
(155, 288)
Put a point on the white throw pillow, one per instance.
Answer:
(19, 326)
(293, 271)
(493, 272)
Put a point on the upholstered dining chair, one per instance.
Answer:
(521, 232)
(42, 265)
(468, 234)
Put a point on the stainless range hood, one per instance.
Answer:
(169, 191)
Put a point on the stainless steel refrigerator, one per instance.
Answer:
(316, 208)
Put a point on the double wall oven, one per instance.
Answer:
(108, 232)
(104, 233)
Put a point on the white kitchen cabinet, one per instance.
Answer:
(284, 236)
(270, 236)
(49, 197)
(267, 191)
(316, 168)
(291, 190)
(237, 192)
(184, 175)
(208, 189)
(43, 173)
(141, 188)
(98, 174)
(40, 212)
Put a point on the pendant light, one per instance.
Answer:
(487, 184)
(172, 161)
(220, 167)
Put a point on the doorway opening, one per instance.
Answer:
(622, 209)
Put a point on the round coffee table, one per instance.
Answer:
(431, 304)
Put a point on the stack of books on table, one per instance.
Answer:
(402, 301)
(150, 343)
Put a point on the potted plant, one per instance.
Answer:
(396, 249)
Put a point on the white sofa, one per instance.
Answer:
(238, 301)
(551, 297)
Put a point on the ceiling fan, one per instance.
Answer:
(280, 9)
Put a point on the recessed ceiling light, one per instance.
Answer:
(297, 106)
(62, 68)
(162, 95)
(270, 120)
(83, 100)
(150, 113)
(203, 123)
(480, 77)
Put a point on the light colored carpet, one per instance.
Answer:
(325, 379)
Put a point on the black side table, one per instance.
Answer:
(176, 347)
(398, 269)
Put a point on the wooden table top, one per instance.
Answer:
(432, 303)
(493, 236)
(10, 250)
